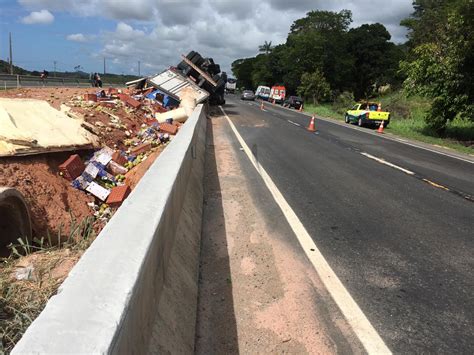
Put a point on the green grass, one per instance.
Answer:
(21, 301)
(324, 110)
(408, 120)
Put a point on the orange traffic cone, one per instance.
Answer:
(301, 108)
(311, 126)
(274, 101)
(380, 130)
(379, 107)
(261, 106)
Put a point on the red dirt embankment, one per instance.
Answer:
(51, 198)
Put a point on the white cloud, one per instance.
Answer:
(156, 32)
(76, 37)
(43, 17)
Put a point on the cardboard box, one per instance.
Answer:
(98, 191)
(72, 168)
(90, 97)
(168, 128)
(129, 100)
(119, 158)
(118, 195)
(142, 148)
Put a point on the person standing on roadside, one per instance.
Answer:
(98, 81)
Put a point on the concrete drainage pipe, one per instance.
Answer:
(14, 217)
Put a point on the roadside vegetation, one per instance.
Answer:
(426, 83)
(408, 120)
(33, 273)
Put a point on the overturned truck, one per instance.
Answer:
(194, 71)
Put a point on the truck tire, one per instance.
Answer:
(197, 59)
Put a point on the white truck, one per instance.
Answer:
(231, 85)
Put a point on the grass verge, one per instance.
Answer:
(32, 274)
(408, 121)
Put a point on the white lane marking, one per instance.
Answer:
(394, 139)
(296, 124)
(388, 164)
(361, 326)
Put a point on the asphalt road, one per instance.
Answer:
(400, 236)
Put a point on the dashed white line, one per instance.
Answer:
(359, 323)
(395, 139)
(381, 161)
(296, 124)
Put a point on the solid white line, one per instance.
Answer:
(361, 326)
(296, 124)
(388, 164)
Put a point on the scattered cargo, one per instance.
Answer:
(109, 133)
(72, 168)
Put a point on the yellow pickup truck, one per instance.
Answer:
(367, 113)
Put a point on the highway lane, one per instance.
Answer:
(401, 246)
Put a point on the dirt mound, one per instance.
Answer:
(51, 199)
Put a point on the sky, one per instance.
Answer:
(74, 33)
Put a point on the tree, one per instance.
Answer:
(375, 59)
(242, 70)
(323, 22)
(261, 73)
(314, 86)
(266, 47)
(442, 66)
(317, 42)
(425, 22)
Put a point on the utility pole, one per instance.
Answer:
(11, 55)
(104, 66)
(138, 68)
(54, 71)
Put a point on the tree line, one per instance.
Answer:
(323, 58)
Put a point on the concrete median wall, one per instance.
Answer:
(120, 296)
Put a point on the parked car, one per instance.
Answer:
(247, 95)
(263, 92)
(293, 102)
(367, 113)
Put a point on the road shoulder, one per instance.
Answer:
(258, 292)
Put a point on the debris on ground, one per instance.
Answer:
(29, 126)
(102, 139)
(104, 142)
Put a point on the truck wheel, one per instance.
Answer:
(346, 118)
(360, 123)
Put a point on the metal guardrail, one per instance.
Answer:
(8, 81)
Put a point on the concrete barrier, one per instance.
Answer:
(119, 296)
